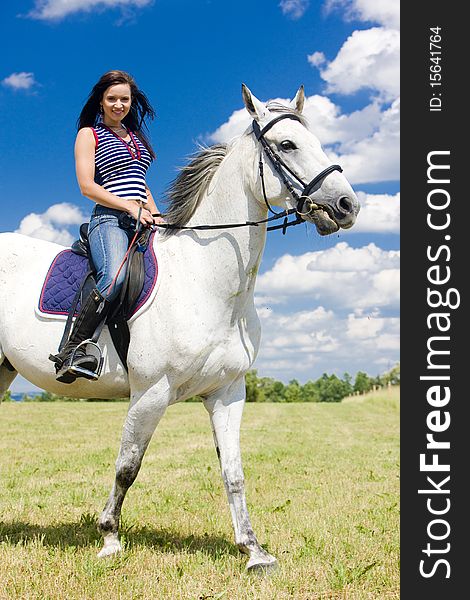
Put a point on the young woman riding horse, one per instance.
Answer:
(112, 155)
(202, 335)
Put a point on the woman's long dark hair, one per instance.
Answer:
(141, 108)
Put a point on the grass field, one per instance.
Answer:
(322, 487)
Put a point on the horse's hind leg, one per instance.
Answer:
(225, 410)
(143, 417)
(7, 375)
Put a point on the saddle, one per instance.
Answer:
(121, 308)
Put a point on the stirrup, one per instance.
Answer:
(75, 370)
(81, 371)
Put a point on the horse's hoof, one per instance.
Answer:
(110, 549)
(262, 567)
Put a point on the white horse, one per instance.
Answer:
(200, 333)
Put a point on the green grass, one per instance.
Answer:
(322, 487)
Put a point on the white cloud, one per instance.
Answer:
(364, 327)
(267, 301)
(54, 10)
(383, 12)
(316, 59)
(52, 224)
(380, 213)
(305, 344)
(340, 277)
(375, 157)
(327, 122)
(368, 59)
(295, 9)
(19, 81)
(236, 124)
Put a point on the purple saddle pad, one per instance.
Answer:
(67, 271)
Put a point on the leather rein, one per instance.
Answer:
(281, 169)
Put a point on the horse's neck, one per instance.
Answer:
(231, 256)
(228, 198)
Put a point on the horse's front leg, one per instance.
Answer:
(225, 409)
(143, 416)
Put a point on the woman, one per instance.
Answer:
(112, 155)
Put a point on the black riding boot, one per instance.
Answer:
(72, 361)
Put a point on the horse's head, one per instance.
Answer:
(295, 172)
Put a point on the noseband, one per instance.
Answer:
(280, 167)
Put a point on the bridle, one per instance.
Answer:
(281, 169)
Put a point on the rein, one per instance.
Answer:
(281, 168)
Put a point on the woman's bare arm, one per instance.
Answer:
(152, 207)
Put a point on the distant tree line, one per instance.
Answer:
(327, 388)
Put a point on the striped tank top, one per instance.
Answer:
(120, 167)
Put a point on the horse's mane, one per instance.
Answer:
(186, 190)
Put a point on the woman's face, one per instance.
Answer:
(116, 102)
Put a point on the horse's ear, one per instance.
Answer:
(254, 106)
(299, 100)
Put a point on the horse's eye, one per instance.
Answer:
(287, 145)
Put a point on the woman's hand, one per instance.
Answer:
(159, 219)
(145, 215)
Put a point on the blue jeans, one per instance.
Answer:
(108, 244)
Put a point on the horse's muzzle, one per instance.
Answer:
(328, 218)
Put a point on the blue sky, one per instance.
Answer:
(190, 57)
